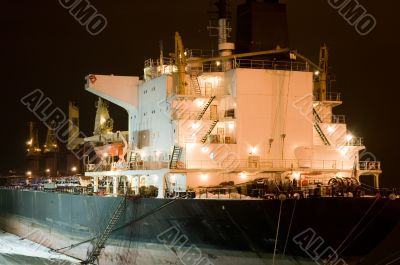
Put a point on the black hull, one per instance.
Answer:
(354, 227)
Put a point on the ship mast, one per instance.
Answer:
(323, 76)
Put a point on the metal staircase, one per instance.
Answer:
(201, 114)
(319, 129)
(204, 139)
(132, 158)
(195, 84)
(101, 239)
(176, 153)
(316, 116)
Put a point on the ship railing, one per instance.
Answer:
(271, 64)
(330, 96)
(155, 63)
(270, 164)
(184, 114)
(355, 141)
(369, 165)
(148, 165)
(206, 91)
(339, 119)
(199, 53)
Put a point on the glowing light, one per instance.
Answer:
(195, 125)
(243, 175)
(29, 142)
(316, 73)
(73, 169)
(48, 170)
(218, 63)
(349, 137)
(331, 129)
(172, 178)
(29, 173)
(212, 156)
(102, 120)
(105, 155)
(231, 125)
(199, 103)
(296, 175)
(344, 150)
(204, 177)
(253, 150)
(204, 149)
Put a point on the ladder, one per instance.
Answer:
(132, 159)
(316, 116)
(101, 239)
(195, 84)
(176, 153)
(321, 134)
(201, 114)
(319, 129)
(204, 139)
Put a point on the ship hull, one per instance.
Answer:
(162, 231)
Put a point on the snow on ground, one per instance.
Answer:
(13, 250)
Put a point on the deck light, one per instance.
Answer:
(204, 149)
(243, 175)
(195, 125)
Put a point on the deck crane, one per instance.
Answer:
(180, 61)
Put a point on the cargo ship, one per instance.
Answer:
(229, 158)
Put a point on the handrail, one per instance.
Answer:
(339, 119)
(369, 165)
(288, 164)
(355, 141)
(330, 96)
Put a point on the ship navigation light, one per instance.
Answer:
(243, 175)
(253, 150)
(204, 177)
(296, 175)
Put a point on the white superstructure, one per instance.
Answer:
(229, 118)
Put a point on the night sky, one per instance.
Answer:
(44, 47)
